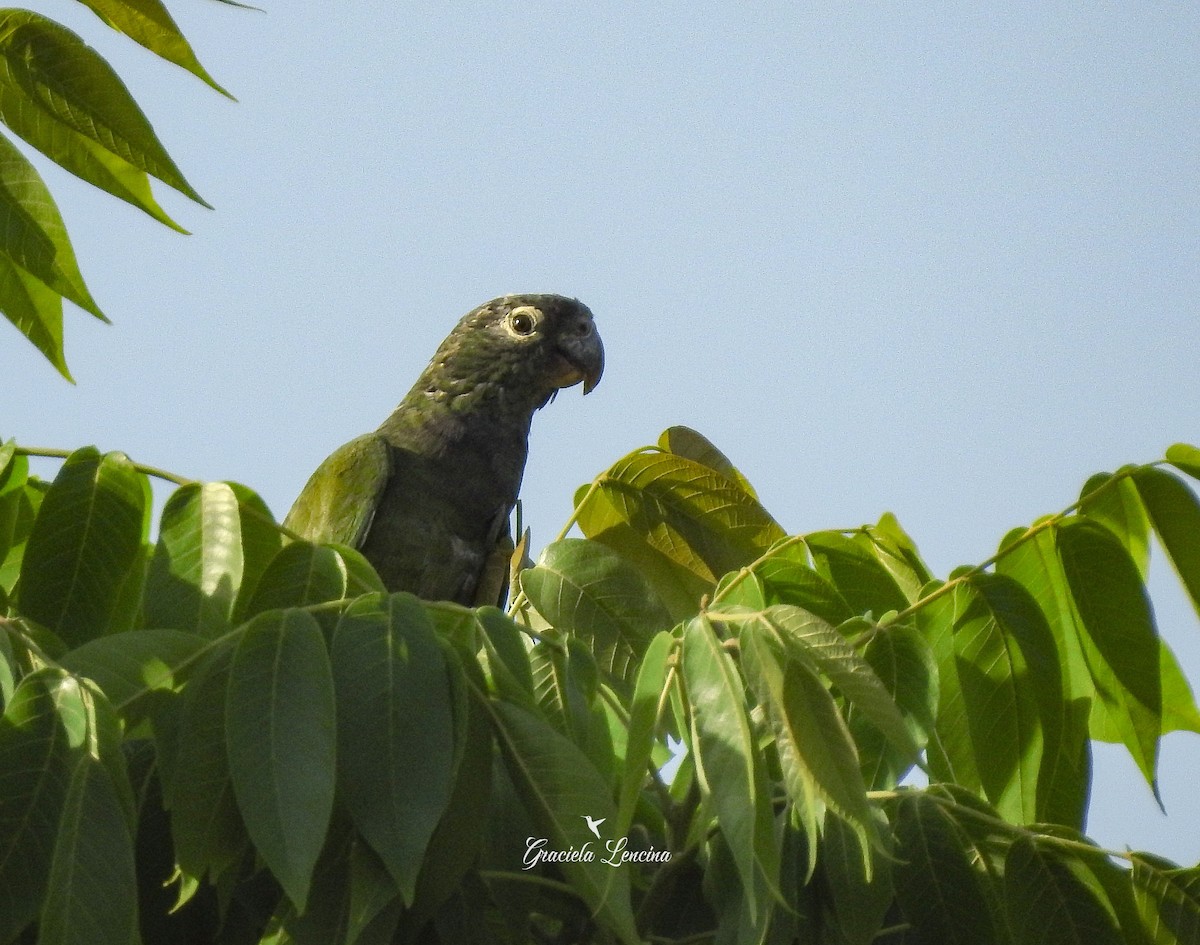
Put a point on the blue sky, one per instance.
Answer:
(938, 261)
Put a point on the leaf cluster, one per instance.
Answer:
(227, 735)
(63, 99)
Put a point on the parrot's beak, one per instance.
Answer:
(583, 355)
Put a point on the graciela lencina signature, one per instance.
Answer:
(615, 853)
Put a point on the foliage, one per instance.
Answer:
(228, 736)
(63, 99)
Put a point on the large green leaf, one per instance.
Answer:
(1185, 458)
(727, 757)
(643, 715)
(18, 508)
(262, 540)
(148, 23)
(35, 309)
(34, 777)
(816, 754)
(688, 443)
(1168, 901)
(941, 895)
(784, 575)
(91, 893)
(280, 729)
(130, 666)
(1113, 501)
(1119, 640)
(680, 522)
(559, 787)
(857, 573)
(65, 100)
(86, 540)
(194, 763)
(395, 729)
(590, 591)
(1175, 514)
(904, 662)
(196, 570)
(1048, 903)
(301, 574)
(34, 237)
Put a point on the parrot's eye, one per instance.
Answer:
(523, 321)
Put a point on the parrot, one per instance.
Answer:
(428, 496)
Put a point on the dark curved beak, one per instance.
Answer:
(585, 351)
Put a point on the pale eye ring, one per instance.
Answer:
(523, 321)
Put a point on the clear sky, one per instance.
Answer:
(934, 259)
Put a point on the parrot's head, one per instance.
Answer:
(526, 346)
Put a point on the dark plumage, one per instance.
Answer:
(427, 497)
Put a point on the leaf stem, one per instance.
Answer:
(47, 452)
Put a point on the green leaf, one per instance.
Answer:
(33, 236)
(261, 542)
(1117, 506)
(859, 576)
(35, 309)
(859, 901)
(817, 756)
(91, 894)
(939, 892)
(727, 757)
(905, 665)
(1120, 643)
(785, 576)
(558, 786)
(301, 574)
(1175, 514)
(643, 714)
(197, 566)
(34, 776)
(395, 730)
(1065, 783)
(681, 523)
(1048, 903)
(1168, 901)
(19, 502)
(1185, 458)
(148, 24)
(590, 591)
(281, 737)
(81, 110)
(87, 538)
(205, 823)
(129, 666)
(686, 442)
(507, 661)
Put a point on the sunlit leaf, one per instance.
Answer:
(688, 443)
(1120, 643)
(1185, 458)
(280, 730)
(859, 576)
(81, 106)
(87, 538)
(197, 566)
(302, 573)
(785, 575)
(1117, 506)
(680, 522)
(148, 23)
(1175, 514)
(1168, 901)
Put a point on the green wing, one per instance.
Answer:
(339, 500)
